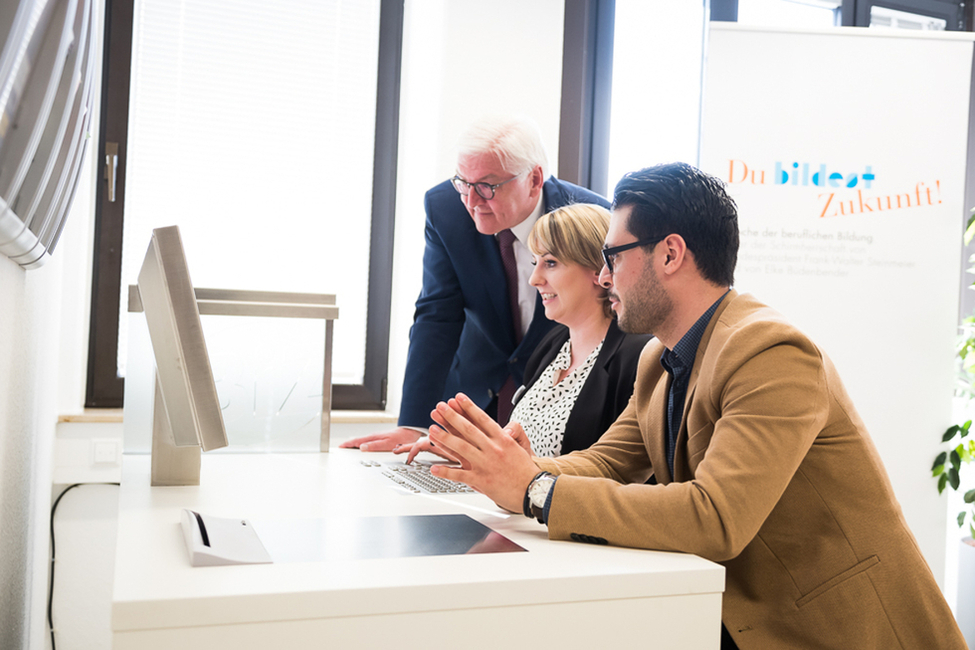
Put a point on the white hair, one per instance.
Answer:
(515, 140)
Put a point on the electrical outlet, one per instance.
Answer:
(88, 452)
(105, 451)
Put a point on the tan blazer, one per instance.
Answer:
(777, 479)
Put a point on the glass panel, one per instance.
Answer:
(656, 85)
(251, 127)
(789, 13)
(270, 392)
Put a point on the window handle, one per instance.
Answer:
(111, 168)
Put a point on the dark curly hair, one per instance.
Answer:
(681, 199)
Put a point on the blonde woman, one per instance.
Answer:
(580, 377)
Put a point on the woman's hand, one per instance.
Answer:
(423, 444)
(518, 434)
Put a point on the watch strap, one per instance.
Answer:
(527, 508)
(538, 513)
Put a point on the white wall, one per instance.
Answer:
(29, 322)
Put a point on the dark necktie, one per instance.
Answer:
(675, 411)
(506, 240)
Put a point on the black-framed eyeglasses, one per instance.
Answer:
(484, 190)
(609, 254)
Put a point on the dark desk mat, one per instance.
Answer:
(315, 540)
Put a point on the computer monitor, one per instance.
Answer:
(186, 411)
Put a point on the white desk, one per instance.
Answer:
(559, 594)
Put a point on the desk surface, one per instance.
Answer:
(158, 593)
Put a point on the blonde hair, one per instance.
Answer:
(574, 234)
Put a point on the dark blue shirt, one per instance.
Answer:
(679, 362)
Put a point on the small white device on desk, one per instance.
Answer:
(215, 541)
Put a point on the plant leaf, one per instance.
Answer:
(970, 496)
(953, 479)
(950, 433)
(961, 518)
(941, 483)
(955, 459)
(964, 454)
(940, 460)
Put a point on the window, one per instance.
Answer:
(656, 85)
(908, 14)
(245, 125)
(884, 17)
(790, 13)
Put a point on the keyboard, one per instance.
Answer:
(417, 478)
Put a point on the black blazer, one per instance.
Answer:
(607, 389)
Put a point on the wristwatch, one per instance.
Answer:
(537, 494)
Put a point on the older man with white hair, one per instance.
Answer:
(477, 318)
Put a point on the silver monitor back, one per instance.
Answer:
(186, 397)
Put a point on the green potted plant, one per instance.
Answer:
(948, 465)
(961, 454)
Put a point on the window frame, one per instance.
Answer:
(587, 84)
(104, 388)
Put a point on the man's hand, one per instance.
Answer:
(425, 444)
(385, 441)
(492, 461)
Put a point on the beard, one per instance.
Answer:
(646, 306)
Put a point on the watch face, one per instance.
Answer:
(539, 490)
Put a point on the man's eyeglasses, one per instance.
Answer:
(609, 254)
(484, 190)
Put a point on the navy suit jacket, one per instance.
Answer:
(462, 338)
(607, 389)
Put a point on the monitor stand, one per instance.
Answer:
(171, 465)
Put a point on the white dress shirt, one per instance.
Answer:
(523, 258)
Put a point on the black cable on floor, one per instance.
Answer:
(50, 592)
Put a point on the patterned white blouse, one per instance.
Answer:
(545, 407)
